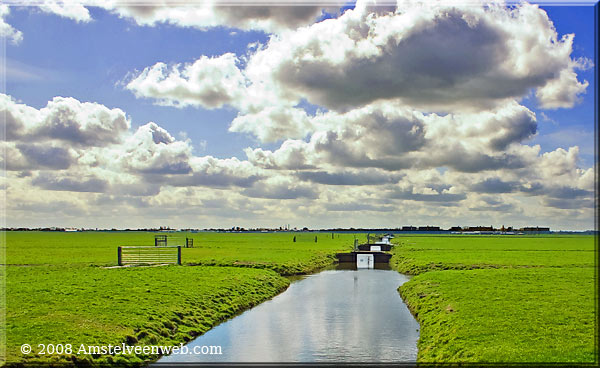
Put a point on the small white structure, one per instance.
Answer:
(376, 248)
(365, 261)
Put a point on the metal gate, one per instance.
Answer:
(149, 255)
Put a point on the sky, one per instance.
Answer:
(324, 115)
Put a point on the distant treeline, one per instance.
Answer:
(439, 229)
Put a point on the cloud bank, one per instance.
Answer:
(414, 111)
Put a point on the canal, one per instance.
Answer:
(331, 316)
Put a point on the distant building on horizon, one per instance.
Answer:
(536, 229)
(480, 228)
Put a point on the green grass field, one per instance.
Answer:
(275, 251)
(60, 291)
(501, 299)
(477, 298)
(142, 305)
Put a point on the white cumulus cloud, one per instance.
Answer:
(435, 55)
(208, 82)
(74, 10)
(6, 30)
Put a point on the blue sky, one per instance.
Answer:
(267, 120)
(89, 62)
(579, 120)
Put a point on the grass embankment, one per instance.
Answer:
(59, 291)
(145, 306)
(501, 299)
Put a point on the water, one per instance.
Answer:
(335, 316)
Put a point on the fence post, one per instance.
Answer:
(119, 256)
(179, 255)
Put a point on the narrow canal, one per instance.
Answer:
(334, 315)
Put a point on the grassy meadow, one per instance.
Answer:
(477, 298)
(501, 298)
(275, 251)
(141, 305)
(61, 289)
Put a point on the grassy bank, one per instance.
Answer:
(501, 299)
(146, 306)
(59, 290)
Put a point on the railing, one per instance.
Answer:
(149, 255)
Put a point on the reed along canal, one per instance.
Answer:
(335, 315)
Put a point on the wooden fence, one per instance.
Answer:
(149, 255)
